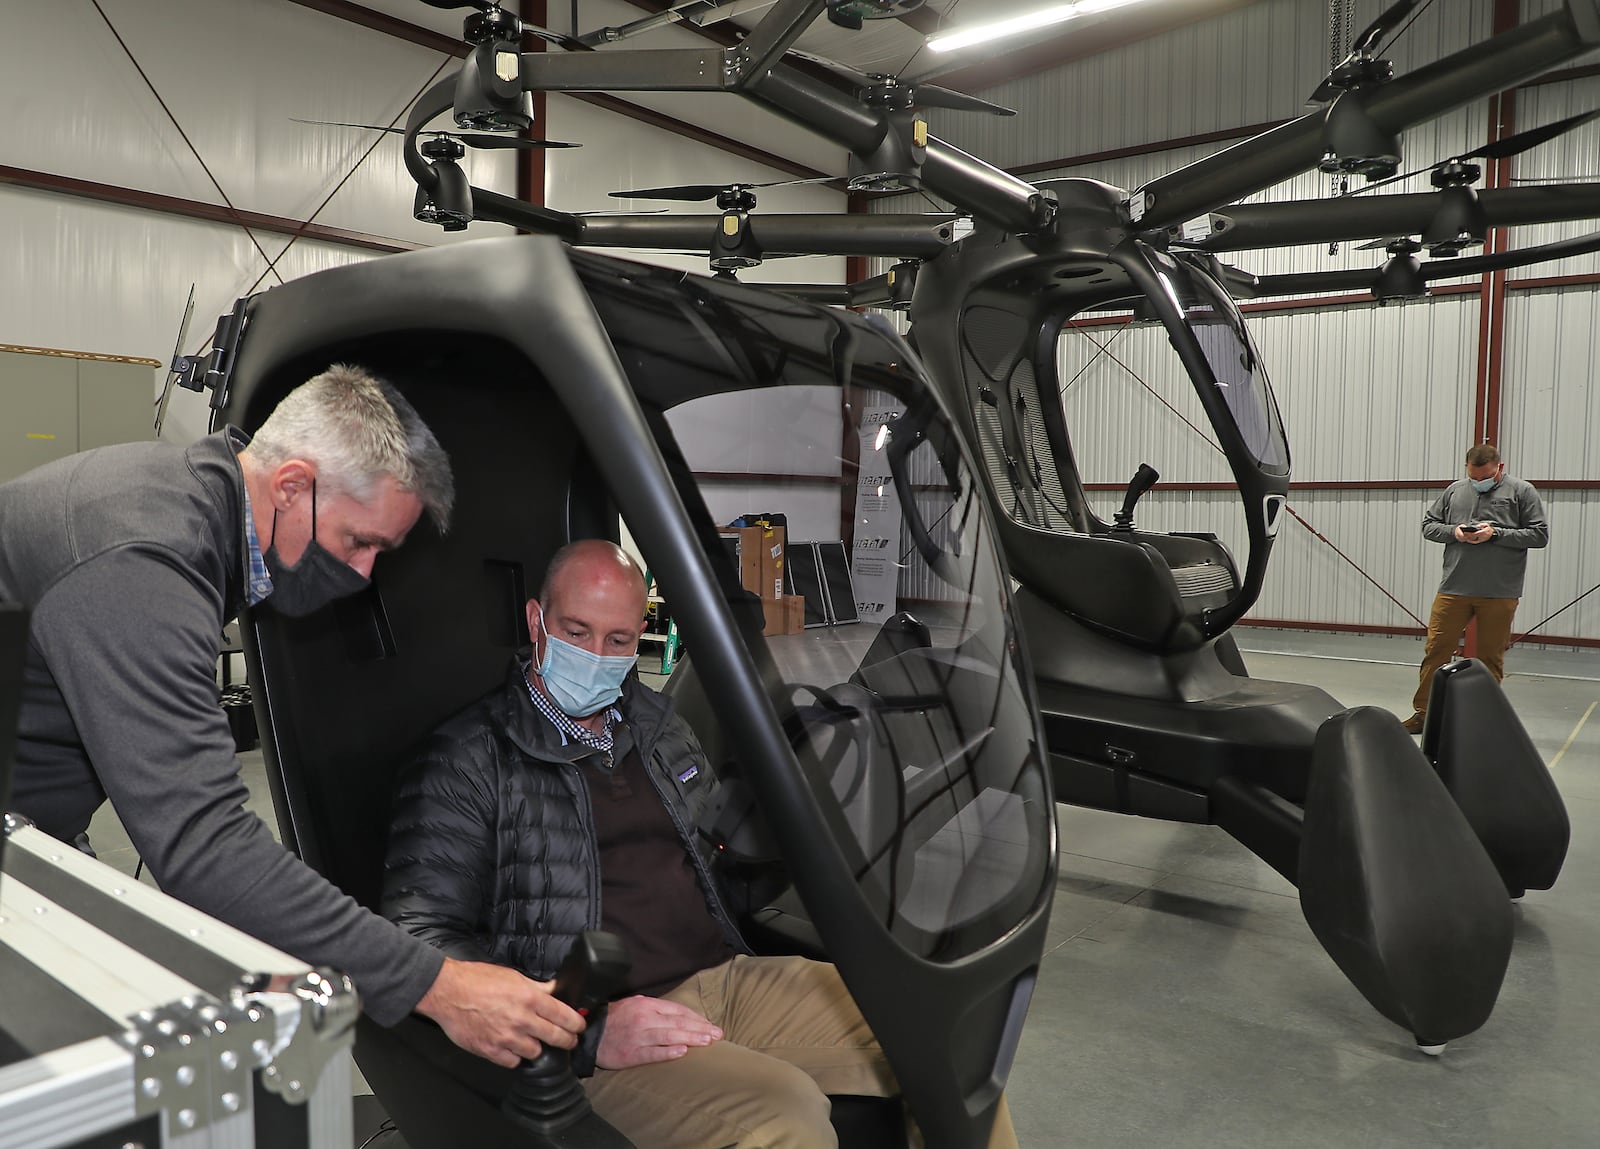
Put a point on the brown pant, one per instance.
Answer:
(792, 1035)
(1446, 625)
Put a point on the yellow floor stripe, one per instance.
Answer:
(1573, 736)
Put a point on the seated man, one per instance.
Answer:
(566, 802)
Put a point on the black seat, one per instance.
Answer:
(1148, 589)
(346, 694)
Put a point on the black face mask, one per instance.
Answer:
(313, 582)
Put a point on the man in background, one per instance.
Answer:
(1487, 522)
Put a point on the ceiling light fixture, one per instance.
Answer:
(1043, 18)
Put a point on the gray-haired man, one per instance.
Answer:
(132, 558)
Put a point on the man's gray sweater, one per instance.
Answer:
(132, 558)
(1493, 569)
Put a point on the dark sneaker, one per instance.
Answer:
(1413, 724)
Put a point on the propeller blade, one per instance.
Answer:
(559, 39)
(798, 183)
(1326, 91)
(1378, 31)
(928, 95)
(1378, 244)
(1532, 138)
(471, 139)
(1364, 48)
(1401, 178)
(1353, 280)
(686, 192)
(172, 370)
(932, 96)
(694, 192)
(1500, 149)
(486, 140)
(344, 124)
(1503, 260)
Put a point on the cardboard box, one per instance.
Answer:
(794, 613)
(774, 613)
(760, 560)
(747, 548)
(786, 615)
(771, 564)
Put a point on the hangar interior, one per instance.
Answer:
(1182, 997)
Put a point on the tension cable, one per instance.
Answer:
(183, 134)
(1547, 618)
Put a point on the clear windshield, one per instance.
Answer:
(1219, 328)
(866, 559)
(1127, 400)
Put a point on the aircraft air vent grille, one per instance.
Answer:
(1202, 578)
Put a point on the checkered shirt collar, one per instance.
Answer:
(258, 578)
(566, 726)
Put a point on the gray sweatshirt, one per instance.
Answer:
(1493, 569)
(132, 558)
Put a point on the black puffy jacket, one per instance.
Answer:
(492, 853)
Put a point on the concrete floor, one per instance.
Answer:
(1183, 1001)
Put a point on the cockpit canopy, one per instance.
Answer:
(1135, 337)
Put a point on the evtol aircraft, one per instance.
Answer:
(897, 780)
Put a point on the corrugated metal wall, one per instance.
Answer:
(90, 276)
(96, 277)
(1251, 65)
(1369, 394)
(1550, 425)
(1577, 156)
(1373, 393)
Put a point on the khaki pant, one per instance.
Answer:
(791, 1035)
(1448, 622)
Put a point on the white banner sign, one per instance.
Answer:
(874, 563)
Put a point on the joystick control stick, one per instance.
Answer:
(1143, 479)
(547, 1097)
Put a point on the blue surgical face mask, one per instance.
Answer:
(1484, 486)
(579, 682)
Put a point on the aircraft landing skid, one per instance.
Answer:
(1407, 868)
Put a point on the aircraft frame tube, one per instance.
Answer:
(902, 236)
(1291, 148)
(966, 181)
(1258, 225)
